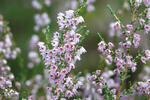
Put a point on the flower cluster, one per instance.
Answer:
(61, 59)
(6, 45)
(130, 38)
(6, 48)
(146, 57)
(7, 51)
(41, 19)
(95, 85)
(6, 78)
(69, 21)
(33, 54)
(143, 87)
(117, 57)
(114, 29)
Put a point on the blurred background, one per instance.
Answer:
(20, 15)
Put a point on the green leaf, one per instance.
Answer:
(48, 37)
(85, 0)
(83, 37)
(78, 75)
(128, 76)
(81, 28)
(82, 5)
(100, 37)
(47, 33)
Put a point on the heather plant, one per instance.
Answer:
(121, 60)
(8, 50)
(61, 54)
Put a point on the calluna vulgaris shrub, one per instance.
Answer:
(54, 78)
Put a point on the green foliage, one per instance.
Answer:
(100, 37)
(114, 14)
(48, 37)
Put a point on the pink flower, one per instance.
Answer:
(59, 90)
(69, 14)
(63, 71)
(148, 81)
(129, 27)
(133, 69)
(111, 45)
(118, 52)
(141, 21)
(36, 4)
(127, 45)
(117, 26)
(74, 90)
(147, 53)
(98, 72)
(147, 28)
(146, 2)
(47, 2)
(53, 68)
(136, 40)
(128, 58)
(99, 91)
(69, 82)
(107, 52)
(120, 63)
(101, 46)
(109, 59)
(148, 13)
(143, 59)
(72, 66)
(68, 94)
(116, 71)
(127, 33)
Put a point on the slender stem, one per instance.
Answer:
(132, 21)
(102, 66)
(122, 82)
(133, 15)
(118, 93)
